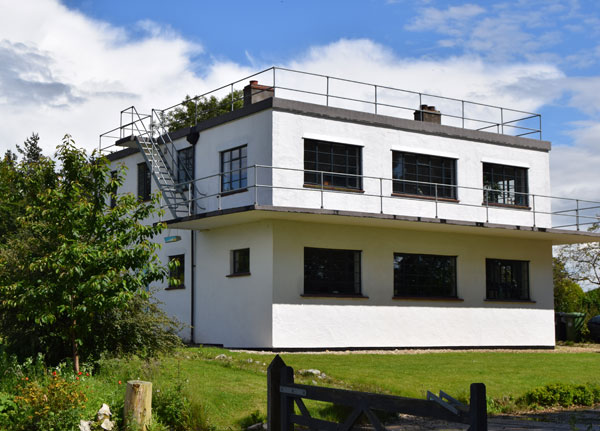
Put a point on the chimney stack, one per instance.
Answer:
(254, 92)
(428, 114)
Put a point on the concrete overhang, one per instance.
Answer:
(254, 213)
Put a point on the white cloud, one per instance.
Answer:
(451, 21)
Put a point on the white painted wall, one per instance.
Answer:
(381, 321)
(377, 145)
(234, 311)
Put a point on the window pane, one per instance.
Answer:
(421, 173)
(507, 279)
(332, 157)
(424, 275)
(330, 271)
(233, 169)
(241, 261)
(177, 271)
(506, 185)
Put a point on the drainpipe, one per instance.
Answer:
(193, 287)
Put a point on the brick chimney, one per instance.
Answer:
(254, 92)
(428, 114)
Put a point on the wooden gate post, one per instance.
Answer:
(478, 408)
(138, 404)
(273, 394)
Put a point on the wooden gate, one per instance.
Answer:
(283, 394)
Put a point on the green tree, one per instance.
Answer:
(70, 258)
(568, 295)
(196, 109)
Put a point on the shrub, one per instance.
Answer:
(561, 394)
(174, 409)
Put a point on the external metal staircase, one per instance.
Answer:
(154, 142)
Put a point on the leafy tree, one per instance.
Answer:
(32, 151)
(583, 260)
(196, 109)
(568, 295)
(71, 260)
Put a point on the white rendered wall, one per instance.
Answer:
(234, 311)
(377, 145)
(381, 321)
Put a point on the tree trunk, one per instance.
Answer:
(75, 349)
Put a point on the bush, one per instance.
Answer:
(561, 394)
(174, 409)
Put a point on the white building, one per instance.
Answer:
(331, 214)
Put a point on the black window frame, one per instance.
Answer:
(338, 165)
(502, 284)
(332, 272)
(416, 276)
(144, 187)
(505, 185)
(113, 192)
(185, 167)
(418, 174)
(240, 262)
(234, 178)
(177, 272)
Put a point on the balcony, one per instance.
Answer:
(286, 189)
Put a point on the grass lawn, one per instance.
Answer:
(232, 389)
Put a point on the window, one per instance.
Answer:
(333, 159)
(144, 181)
(234, 175)
(113, 198)
(424, 275)
(185, 166)
(328, 271)
(505, 185)
(177, 272)
(507, 279)
(414, 174)
(240, 262)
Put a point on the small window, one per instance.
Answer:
(507, 279)
(185, 167)
(331, 272)
(234, 173)
(338, 165)
(144, 181)
(177, 272)
(424, 275)
(424, 175)
(240, 262)
(113, 192)
(505, 185)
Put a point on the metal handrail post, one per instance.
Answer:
(256, 185)
(232, 96)
(577, 213)
(533, 208)
(381, 195)
(487, 206)
(321, 189)
(436, 200)
(375, 99)
(502, 119)
(327, 93)
(463, 113)
(190, 199)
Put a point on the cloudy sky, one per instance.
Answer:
(70, 66)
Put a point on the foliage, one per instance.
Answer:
(562, 394)
(582, 261)
(568, 295)
(54, 405)
(71, 258)
(193, 110)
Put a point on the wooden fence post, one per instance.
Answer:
(287, 402)
(478, 408)
(138, 403)
(273, 395)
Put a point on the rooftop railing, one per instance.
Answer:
(280, 186)
(355, 95)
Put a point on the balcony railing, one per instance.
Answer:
(264, 185)
(355, 95)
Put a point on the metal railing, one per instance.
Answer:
(281, 186)
(355, 95)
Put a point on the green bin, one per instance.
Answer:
(572, 324)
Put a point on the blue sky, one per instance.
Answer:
(71, 66)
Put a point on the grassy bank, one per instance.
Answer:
(230, 387)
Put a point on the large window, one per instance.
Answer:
(234, 173)
(507, 279)
(185, 166)
(144, 181)
(331, 272)
(505, 185)
(177, 272)
(421, 174)
(424, 275)
(337, 165)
